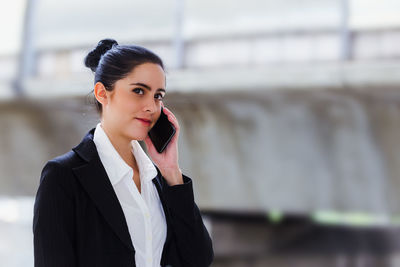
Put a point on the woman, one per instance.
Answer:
(105, 203)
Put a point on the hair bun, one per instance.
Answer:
(93, 58)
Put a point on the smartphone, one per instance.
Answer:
(162, 132)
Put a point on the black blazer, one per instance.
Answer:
(78, 220)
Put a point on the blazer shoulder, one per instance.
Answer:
(59, 169)
(68, 160)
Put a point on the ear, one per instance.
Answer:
(100, 93)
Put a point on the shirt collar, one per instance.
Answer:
(146, 166)
(114, 165)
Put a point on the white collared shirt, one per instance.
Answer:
(143, 211)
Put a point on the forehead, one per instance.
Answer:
(149, 73)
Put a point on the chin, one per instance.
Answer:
(139, 136)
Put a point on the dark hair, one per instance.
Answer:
(111, 62)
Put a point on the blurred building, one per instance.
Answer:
(290, 115)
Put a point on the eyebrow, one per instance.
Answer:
(147, 87)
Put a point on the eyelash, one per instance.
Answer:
(136, 91)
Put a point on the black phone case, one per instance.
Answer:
(162, 132)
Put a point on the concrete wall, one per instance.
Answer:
(31, 133)
(295, 151)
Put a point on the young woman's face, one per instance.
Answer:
(135, 98)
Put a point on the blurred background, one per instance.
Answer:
(290, 116)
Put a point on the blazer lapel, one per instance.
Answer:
(95, 181)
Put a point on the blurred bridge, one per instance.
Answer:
(285, 106)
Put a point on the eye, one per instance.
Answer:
(159, 96)
(138, 91)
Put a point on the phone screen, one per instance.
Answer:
(162, 132)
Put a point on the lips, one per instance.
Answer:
(145, 121)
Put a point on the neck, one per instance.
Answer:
(122, 145)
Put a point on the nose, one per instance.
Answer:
(150, 106)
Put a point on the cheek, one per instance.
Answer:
(127, 104)
(158, 114)
(156, 117)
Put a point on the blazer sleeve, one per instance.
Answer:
(53, 220)
(193, 241)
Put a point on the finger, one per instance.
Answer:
(174, 121)
(167, 111)
(171, 117)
